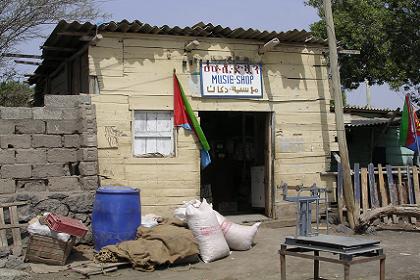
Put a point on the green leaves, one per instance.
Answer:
(386, 33)
(15, 94)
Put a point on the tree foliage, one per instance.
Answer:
(387, 34)
(22, 19)
(15, 94)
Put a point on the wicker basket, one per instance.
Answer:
(48, 250)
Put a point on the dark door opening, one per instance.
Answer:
(236, 181)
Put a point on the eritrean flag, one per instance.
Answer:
(410, 126)
(184, 116)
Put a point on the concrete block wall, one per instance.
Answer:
(48, 156)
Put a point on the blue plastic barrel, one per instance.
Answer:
(116, 215)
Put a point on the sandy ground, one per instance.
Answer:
(262, 262)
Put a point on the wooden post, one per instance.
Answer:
(401, 196)
(382, 191)
(393, 197)
(340, 205)
(374, 201)
(365, 193)
(416, 184)
(357, 188)
(338, 108)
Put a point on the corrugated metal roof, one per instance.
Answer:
(66, 36)
(354, 108)
(371, 122)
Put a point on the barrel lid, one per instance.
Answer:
(117, 189)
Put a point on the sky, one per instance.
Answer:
(272, 15)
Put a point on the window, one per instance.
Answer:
(153, 133)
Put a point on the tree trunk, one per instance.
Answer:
(366, 219)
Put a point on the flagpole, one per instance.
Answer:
(414, 127)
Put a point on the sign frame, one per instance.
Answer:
(231, 96)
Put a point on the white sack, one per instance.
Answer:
(238, 237)
(35, 227)
(202, 221)
(180, 212)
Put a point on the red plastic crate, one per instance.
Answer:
(67, 225)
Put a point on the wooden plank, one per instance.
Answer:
(382, 191)
(410, 191)
(17, 239)
(373, 192)
(17, 203)
(416, 184)
(365, 192)
(3, 237)
(410, 186)
(13, 226)
(393, 197)
(400, 187)
(357, 187)
(340, 198)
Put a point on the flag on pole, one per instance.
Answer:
(184, 116)
(410, 127)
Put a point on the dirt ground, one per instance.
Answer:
(262, 262)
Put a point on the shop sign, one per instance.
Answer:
(239, 80)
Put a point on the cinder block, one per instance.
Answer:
(7, 186)
(15, 113)
(31, 186)
(17, 171)
(7, 127)
(15, 141)
(89, 183)
(89, 140)
(30, 127)
(66, 183)
(47, 141)
(88, 125)
(7, 156)
(63, 127)
(61, 155)
(71, 141)
(88, 168)
(42, 113)
(88, 154)
(31, 156)
(65, 101)
(48, 170)
(71, 114)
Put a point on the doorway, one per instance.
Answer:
(238, 180)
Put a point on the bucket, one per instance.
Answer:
(116, 215)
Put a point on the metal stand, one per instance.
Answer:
(304, 208)
(349, 251)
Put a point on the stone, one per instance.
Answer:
(71, 141)
(344, 229)
(81, 216)
(66, 101)
(30, 127)
(65, 183)
(15, 141)
(47, 141)
(80, 203)
(89, 140)
(58, 196)
(48, 170)
(14, 262)
(63, 126)
(89, 183)
(7, 186)
(13, 274)
(33, 198)
(26, 213)
(42, 113)
(88, 154)
(15, 113)
(4, 252)
(17, 171)
(7, 127)
(88, 125)
(7, 156)
(31, 156)
(88, 168)
(31, 186)
(53, 206)
(61, 155)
